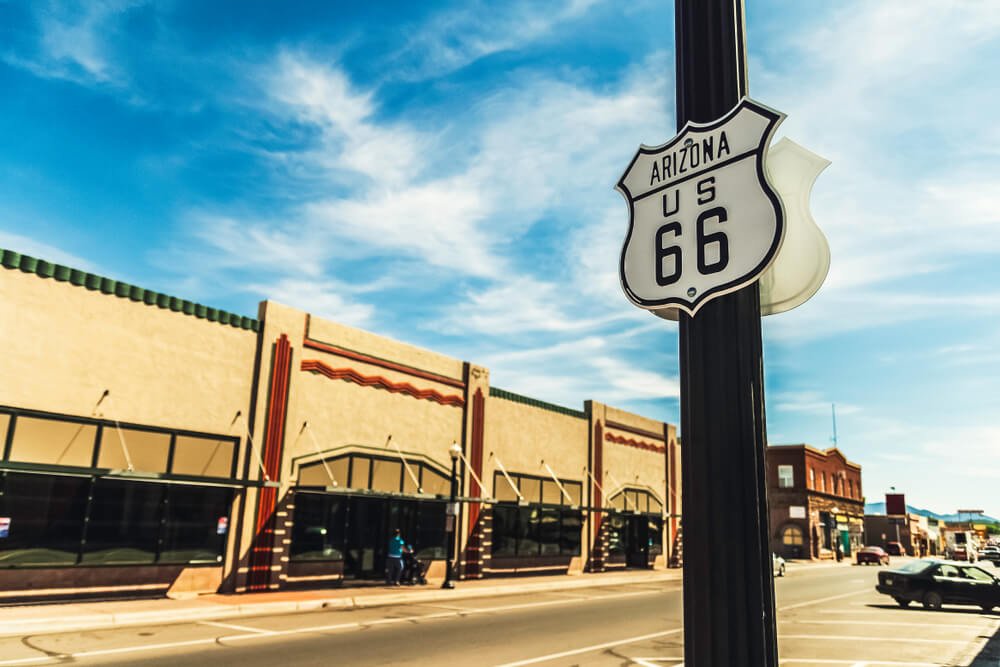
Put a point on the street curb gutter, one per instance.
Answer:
(218, 611)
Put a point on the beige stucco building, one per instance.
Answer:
(150, 444)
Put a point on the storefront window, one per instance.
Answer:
(549, 520)
(46, 518)
(655, 535)
(318, 530)
(430, 540)
(505, 518)
(196, 524)
(570, 532)
(124, 525)
(52, 441)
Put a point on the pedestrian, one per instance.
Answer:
(394, 559)
(840, 552)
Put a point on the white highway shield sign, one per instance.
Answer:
(703, 219)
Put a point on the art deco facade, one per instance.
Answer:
(150, 444)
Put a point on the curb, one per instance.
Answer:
(97, 621)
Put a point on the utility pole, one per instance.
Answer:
(833, 412)
(729, 617)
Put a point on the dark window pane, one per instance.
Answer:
(655, 532)
(527, 535)
(204, 457)
(124, 522)
(51, 441)
(548, 531)
(318, 527)
(570, 534)
(147, 450)
(430, 541)
(46, 518)
(191, 531)
(504, 530)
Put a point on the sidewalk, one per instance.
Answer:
(50, 618)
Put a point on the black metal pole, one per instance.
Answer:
(729, 618)
(452, 519)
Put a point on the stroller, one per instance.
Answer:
(413, 569)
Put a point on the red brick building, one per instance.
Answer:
(815, 501)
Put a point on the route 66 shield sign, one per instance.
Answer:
(703, 219)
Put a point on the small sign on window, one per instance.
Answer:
(4, 526)
(222, 526)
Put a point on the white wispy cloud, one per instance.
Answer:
(459, 36)
(74, 41)
(41, 250)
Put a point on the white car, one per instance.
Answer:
(777, 565)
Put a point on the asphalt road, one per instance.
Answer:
(827, 616)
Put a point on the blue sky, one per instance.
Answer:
(443, 173)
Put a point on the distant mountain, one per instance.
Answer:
(879, 508)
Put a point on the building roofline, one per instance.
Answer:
(95, 283)
(816, 450)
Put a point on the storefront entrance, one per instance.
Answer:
(634, 540)
(351, 532)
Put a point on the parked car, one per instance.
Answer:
(992, 554)
(777, 565)
(875, 555)
(895, 549)
(935, 582)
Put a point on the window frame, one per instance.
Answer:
(102, 425)
(783, 478)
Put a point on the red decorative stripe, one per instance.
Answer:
(375, 361)
(621, 440)
(635, 430)
(261, 553)
(352, 375)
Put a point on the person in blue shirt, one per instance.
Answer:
(394, 559)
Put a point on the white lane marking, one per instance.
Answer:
(144, 647)
(861, 638)
(824, 661)
(241, 628)
(588, 649)
(904, 624)
(258, 634)
(810, 602)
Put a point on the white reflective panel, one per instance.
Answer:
(804, 259)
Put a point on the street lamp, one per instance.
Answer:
(452, 515)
